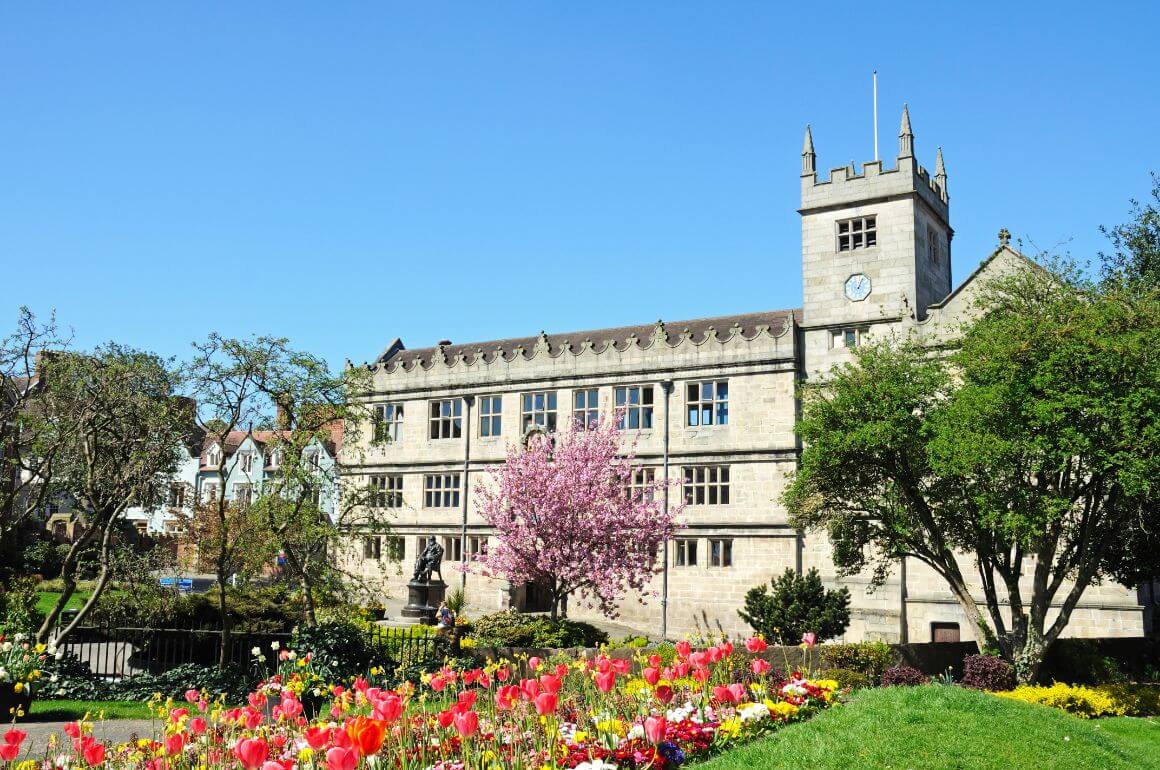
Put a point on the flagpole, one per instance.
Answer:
(875, 114)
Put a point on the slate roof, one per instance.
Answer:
(750, 324)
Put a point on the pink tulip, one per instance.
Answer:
(683, 649)
(192, 696)
(533, 663)
(339, 758)
(736, 692)
(809, 639)
(546, 703)
(655, 729)
(759, 666)
(550, 683)
(651, 675)
(467, 723)
(605, 681)
(438, 682)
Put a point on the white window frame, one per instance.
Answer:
(445, 419)
(452, 548)
(538, 409)
(246, 461)
(388, 422)
(848, 337)
(628, 411)
(476, 546)
(586, 407)
(490, 416)
(716, 402)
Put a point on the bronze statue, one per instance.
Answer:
(428, 562)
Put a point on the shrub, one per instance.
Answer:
(44, 557)
(1080, 661)
(869, 658)
(797, 604)
(18, 613)
(512, 629)
(1089, 702)
(233, 681)
(847, 679)
(71, 678)
(903, 676)
(340, 650)
(987, 672)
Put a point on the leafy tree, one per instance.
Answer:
(115, 425)
(564, 517)
(225, 377)
(1135, 257)
(312, 410)
(794, 605)
(24, 472)
(1025, 455)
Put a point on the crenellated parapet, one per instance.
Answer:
(845, 184)
(751, 337)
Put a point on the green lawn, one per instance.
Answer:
(47, 600)
(68, 710)
(949, 727)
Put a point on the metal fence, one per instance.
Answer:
(114, 653)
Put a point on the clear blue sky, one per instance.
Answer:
(344, 173)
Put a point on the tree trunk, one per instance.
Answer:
(68, 574)
(223, 612)
(102, 580)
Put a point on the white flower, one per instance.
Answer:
(54, 678)
(637, 731)
(274, 645)
(20, 637)
(750, 712)
(3, 674)
(292, 655)
(256, 651)
(7, 647)
(596, 764)
(59, 654)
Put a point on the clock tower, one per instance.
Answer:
(876, 249)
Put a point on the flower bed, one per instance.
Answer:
(595, 714)
(1107, 700)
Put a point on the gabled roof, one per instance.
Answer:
(750, 324)
(1002, 250)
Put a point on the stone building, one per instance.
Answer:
(712, 400)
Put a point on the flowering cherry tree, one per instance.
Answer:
(573, 514)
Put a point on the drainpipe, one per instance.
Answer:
(467, 401)
(667, 389)
(903, 621)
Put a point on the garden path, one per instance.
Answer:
(111, 730)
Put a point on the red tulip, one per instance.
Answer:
(530, 688)
(651, 675)
(339, 758)
(197, 726)
(438, 682)
(664, 693)
(655, 729)
(759, 666)
(546, 703)
(506, 697)
(502, 674)
(756, 644)
(192, 696)
(445, 718)
(94, 753)
(605, 681)
(701, 674)
(9, 751)
(174, 744)
(15, 737)
(251, 752)
(550, 683)
(317, 736)
(683, 649)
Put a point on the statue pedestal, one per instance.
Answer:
(423, 599)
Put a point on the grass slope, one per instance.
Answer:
(949, 727)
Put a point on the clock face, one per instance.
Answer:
(857, 287)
